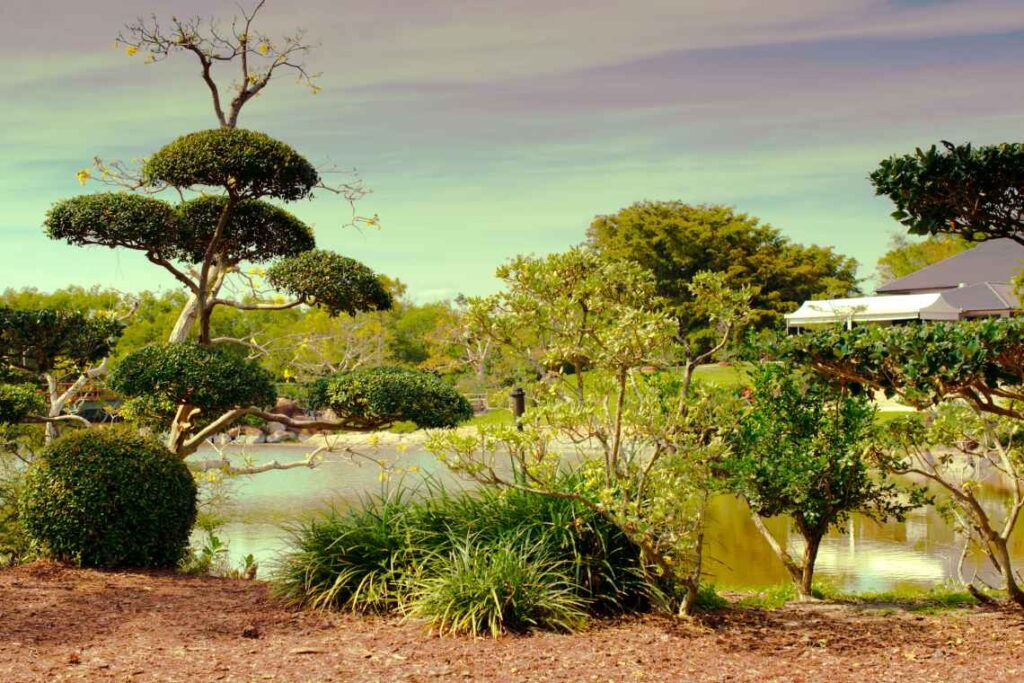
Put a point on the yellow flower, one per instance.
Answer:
(287, 374)
(83, 176)
(263, 49)
(131, 50)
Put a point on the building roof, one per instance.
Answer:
(992, 261)
(984, 297)
(930, 306)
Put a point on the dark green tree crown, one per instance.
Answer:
(37, 340)
(975, 192)
(207, 377)
(248, 164)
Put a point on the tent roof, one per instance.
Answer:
(931, 306)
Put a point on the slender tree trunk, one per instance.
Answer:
(1002, 557)
(794, 570)
(186, 321)
(812, 542)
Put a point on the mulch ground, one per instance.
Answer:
(64, 624)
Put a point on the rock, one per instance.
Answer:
(272, 427)
(280, 436)
(286, 406)
(251, 631)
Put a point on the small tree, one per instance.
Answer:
(802, 449)
(905, 256)
(642, 445)
(976, 193)
(978, 365)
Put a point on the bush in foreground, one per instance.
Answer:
(402, 553)
(108, 497)
(481, 589)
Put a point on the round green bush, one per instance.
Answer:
(252, 164)
(108, 497)
(114, 219)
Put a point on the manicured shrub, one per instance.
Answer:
(108, 497)
(479, 588)
(211, 378)
(331, 281)
(254, 165)
(384, 395)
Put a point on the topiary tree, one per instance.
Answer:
(224, 181)
(47, 356)
(108, 497)
(974, 192)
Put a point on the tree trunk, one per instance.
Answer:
(186, 321)
(812, 542)
(1002, 557)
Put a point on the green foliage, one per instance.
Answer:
(18, 401)
(924, 364)
(485, 589)
(973, 192)
(675, 241)
(108, 497)
(14, 543)
(799, 450)
(380, 396)
(115, 219)
(256, 231)
(209, 378)
(336, 283)
(372, 558)
(38, 340)
(248, 164)
(905, 257)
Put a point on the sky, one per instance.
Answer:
(490, 128)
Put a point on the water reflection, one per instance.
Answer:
(863, 556)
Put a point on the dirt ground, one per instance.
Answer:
(64, 624)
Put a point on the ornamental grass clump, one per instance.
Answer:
(480, 588)
(390, 553)
(108, 497)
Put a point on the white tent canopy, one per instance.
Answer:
(930, 306)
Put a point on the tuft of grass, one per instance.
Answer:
(356, 560)
(768, 597)
(479, 589)
(498, 416)
(939, 598)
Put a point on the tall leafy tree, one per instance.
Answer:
(976, 193)
(675, 241)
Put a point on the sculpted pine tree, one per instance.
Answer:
(224, 180)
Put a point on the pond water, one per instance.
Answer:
(865, 556)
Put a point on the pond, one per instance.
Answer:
(864, 556)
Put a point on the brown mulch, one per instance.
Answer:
(63, 624)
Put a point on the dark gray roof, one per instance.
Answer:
(982, 297)
(994, 261)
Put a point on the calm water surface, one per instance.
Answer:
(864, 556)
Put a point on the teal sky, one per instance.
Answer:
(487, 129)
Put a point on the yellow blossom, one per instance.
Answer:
(131, 50)
(263, 49)
(83, 176)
